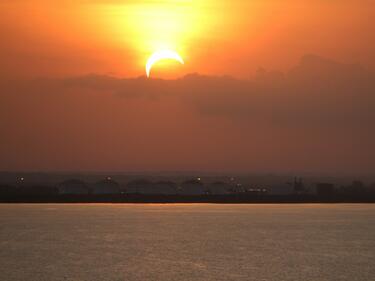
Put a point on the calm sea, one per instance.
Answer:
(187, 242)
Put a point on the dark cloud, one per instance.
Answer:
(318, 92)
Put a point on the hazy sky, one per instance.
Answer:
(73, 95)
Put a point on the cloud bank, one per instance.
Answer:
(317, 117)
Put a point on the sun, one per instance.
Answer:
(161, 55)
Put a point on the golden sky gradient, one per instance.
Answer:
(78, 98)
(57, 38)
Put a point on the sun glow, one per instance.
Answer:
(117, 36)
(196, 30)
(162, 26)
(146, 27)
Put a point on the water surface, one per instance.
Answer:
(187, 242)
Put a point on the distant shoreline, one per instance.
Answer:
(170, 199)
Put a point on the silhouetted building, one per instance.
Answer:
(139, 186)
(7, 190)
(73, 186)
(220, 188)
(36, 190)
(357, 188)
(281, 189)
(256, 190)
(192, 187)
(325, 190)
(298, 186)
(106, 186)
(164, 187)
(238, 188)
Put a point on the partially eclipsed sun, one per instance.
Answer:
(161, 55)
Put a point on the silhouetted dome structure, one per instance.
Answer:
(192, 187)
(139, 186)
(192, 181)
(106, 186)
(219, 188)
(167, 183)
(164, 187)
(73, 186)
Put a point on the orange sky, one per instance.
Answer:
(49, 38)
(78, 99)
